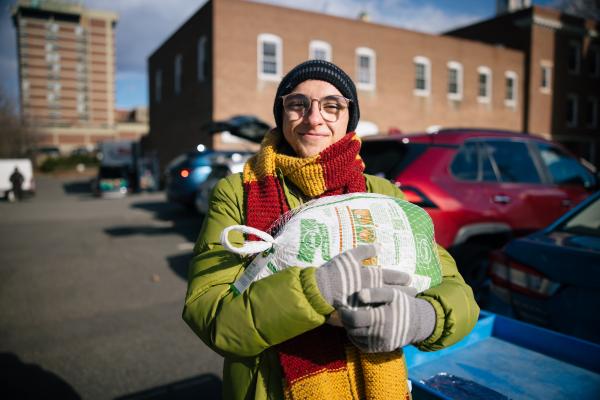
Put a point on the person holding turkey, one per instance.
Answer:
(332, 331)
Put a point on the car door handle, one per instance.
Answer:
(501, 199)
(566, 203)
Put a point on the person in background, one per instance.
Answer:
(16, 180)
(278, 337)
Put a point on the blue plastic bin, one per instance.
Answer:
(504, 358)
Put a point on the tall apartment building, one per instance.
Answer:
(66, 68)
(229, 57)
(561, 72)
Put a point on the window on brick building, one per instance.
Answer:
(572, 110)
(455, 80)
(545, 76)
(178, 73)
(365, 68)
(591, 112)
(510, 95)
(484, 84)
(422, 76)
(269, 57)
(319, 50)
(594, 61)
(574, 57)
(157, 85)
(201, 59)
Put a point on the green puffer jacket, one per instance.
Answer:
(244, 328)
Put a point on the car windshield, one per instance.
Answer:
(585, 222)
(387, 158)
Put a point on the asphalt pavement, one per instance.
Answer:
(91, 294)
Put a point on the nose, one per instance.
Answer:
(313, 114)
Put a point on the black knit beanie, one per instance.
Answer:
(323, 71)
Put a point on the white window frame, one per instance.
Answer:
(595, 50)
(370, 53)
(575, 99)
(455, 65)
(546, 65)
(594, 122)
(315, 45)
(425, 62)
(577, 46)
(512, 102)
(269, 38)
(485, 70)
(158, 85)
(177, 73)
(201, 58)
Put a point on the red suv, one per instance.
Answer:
(480, 187)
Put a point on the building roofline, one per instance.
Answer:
(74, 7)
(542, 16)
(310, 13)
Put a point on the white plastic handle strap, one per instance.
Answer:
(249, 247)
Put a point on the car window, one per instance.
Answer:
(106, 172)
(512, 161)
(472, 163)
(465, 164)
(586, 222)
(563, 168)
(387, 158)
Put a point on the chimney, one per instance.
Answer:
(508, 6)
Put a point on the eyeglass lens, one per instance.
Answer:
(331, 107)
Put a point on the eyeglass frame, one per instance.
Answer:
(311, 102)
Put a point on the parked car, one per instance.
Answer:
(552, 277)
(41, 154)
(220, 168)
(480, 187)
(111, 181)
(185, 174)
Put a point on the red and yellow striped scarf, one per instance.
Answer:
(322, 363)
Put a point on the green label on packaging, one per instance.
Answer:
(313, 236)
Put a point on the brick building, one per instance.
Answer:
(561, 72)
(229, 57)
(66, 57)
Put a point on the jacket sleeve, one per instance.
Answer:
(270, 311)
(453, 301)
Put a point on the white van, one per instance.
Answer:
(7, 167)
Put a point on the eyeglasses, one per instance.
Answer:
(296, 105)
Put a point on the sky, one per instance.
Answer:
(144, 25)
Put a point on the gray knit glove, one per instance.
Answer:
(341, 277)
(390, 318)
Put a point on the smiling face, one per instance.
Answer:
(311, 134)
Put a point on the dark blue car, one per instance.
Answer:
(185, 174)
(552, 277)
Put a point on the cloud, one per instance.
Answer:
(143, 25)
(409, 14)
